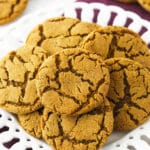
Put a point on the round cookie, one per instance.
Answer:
(18, 93)
(11, 9)
(32, 122)
(84, 132)
(145, 4)
(73, 82)
(60, 33)
(127, 1)
(115, 41)
(129, 92)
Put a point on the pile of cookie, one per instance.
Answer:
(145, 4)
(74, 82)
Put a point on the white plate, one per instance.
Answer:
(138, 139)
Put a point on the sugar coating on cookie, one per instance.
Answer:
(113, 41)
(18, 93)
(145, 4)
(84, 132)
(11, 9)
(129, 93)
(60, 33)
(73, 82)
(31, 123)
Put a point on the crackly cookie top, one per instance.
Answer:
(115, 41)
(60, 33)
(129, 92)
(73, 82)
(18, 71)
(31, 122)
(10, 9)
(84, 132)
(145, 4)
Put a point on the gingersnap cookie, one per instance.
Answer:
(32, 122)
(11, 9)
(127, 1)
(60, 33)
(73, 82)
(113, 41)
(145, 4)
(129, 93)
(18, 70)
(84, 132)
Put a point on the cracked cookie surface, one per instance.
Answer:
(18, 93)
(60, 33)
(145, 4)
(11, 9)
(32, 123)
(129, 93)
(84, 132)
(72, 82)
(114, 41)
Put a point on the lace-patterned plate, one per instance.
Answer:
(12, 136)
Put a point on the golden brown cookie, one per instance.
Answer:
(60, 33)
(127, 1)
(115, 41)
(32, 122)
(129, 93)
(18, 93)
(145, 4)
(84, 132)
(73, 82)
(11, 9)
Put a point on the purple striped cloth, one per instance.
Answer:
(131, 7)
